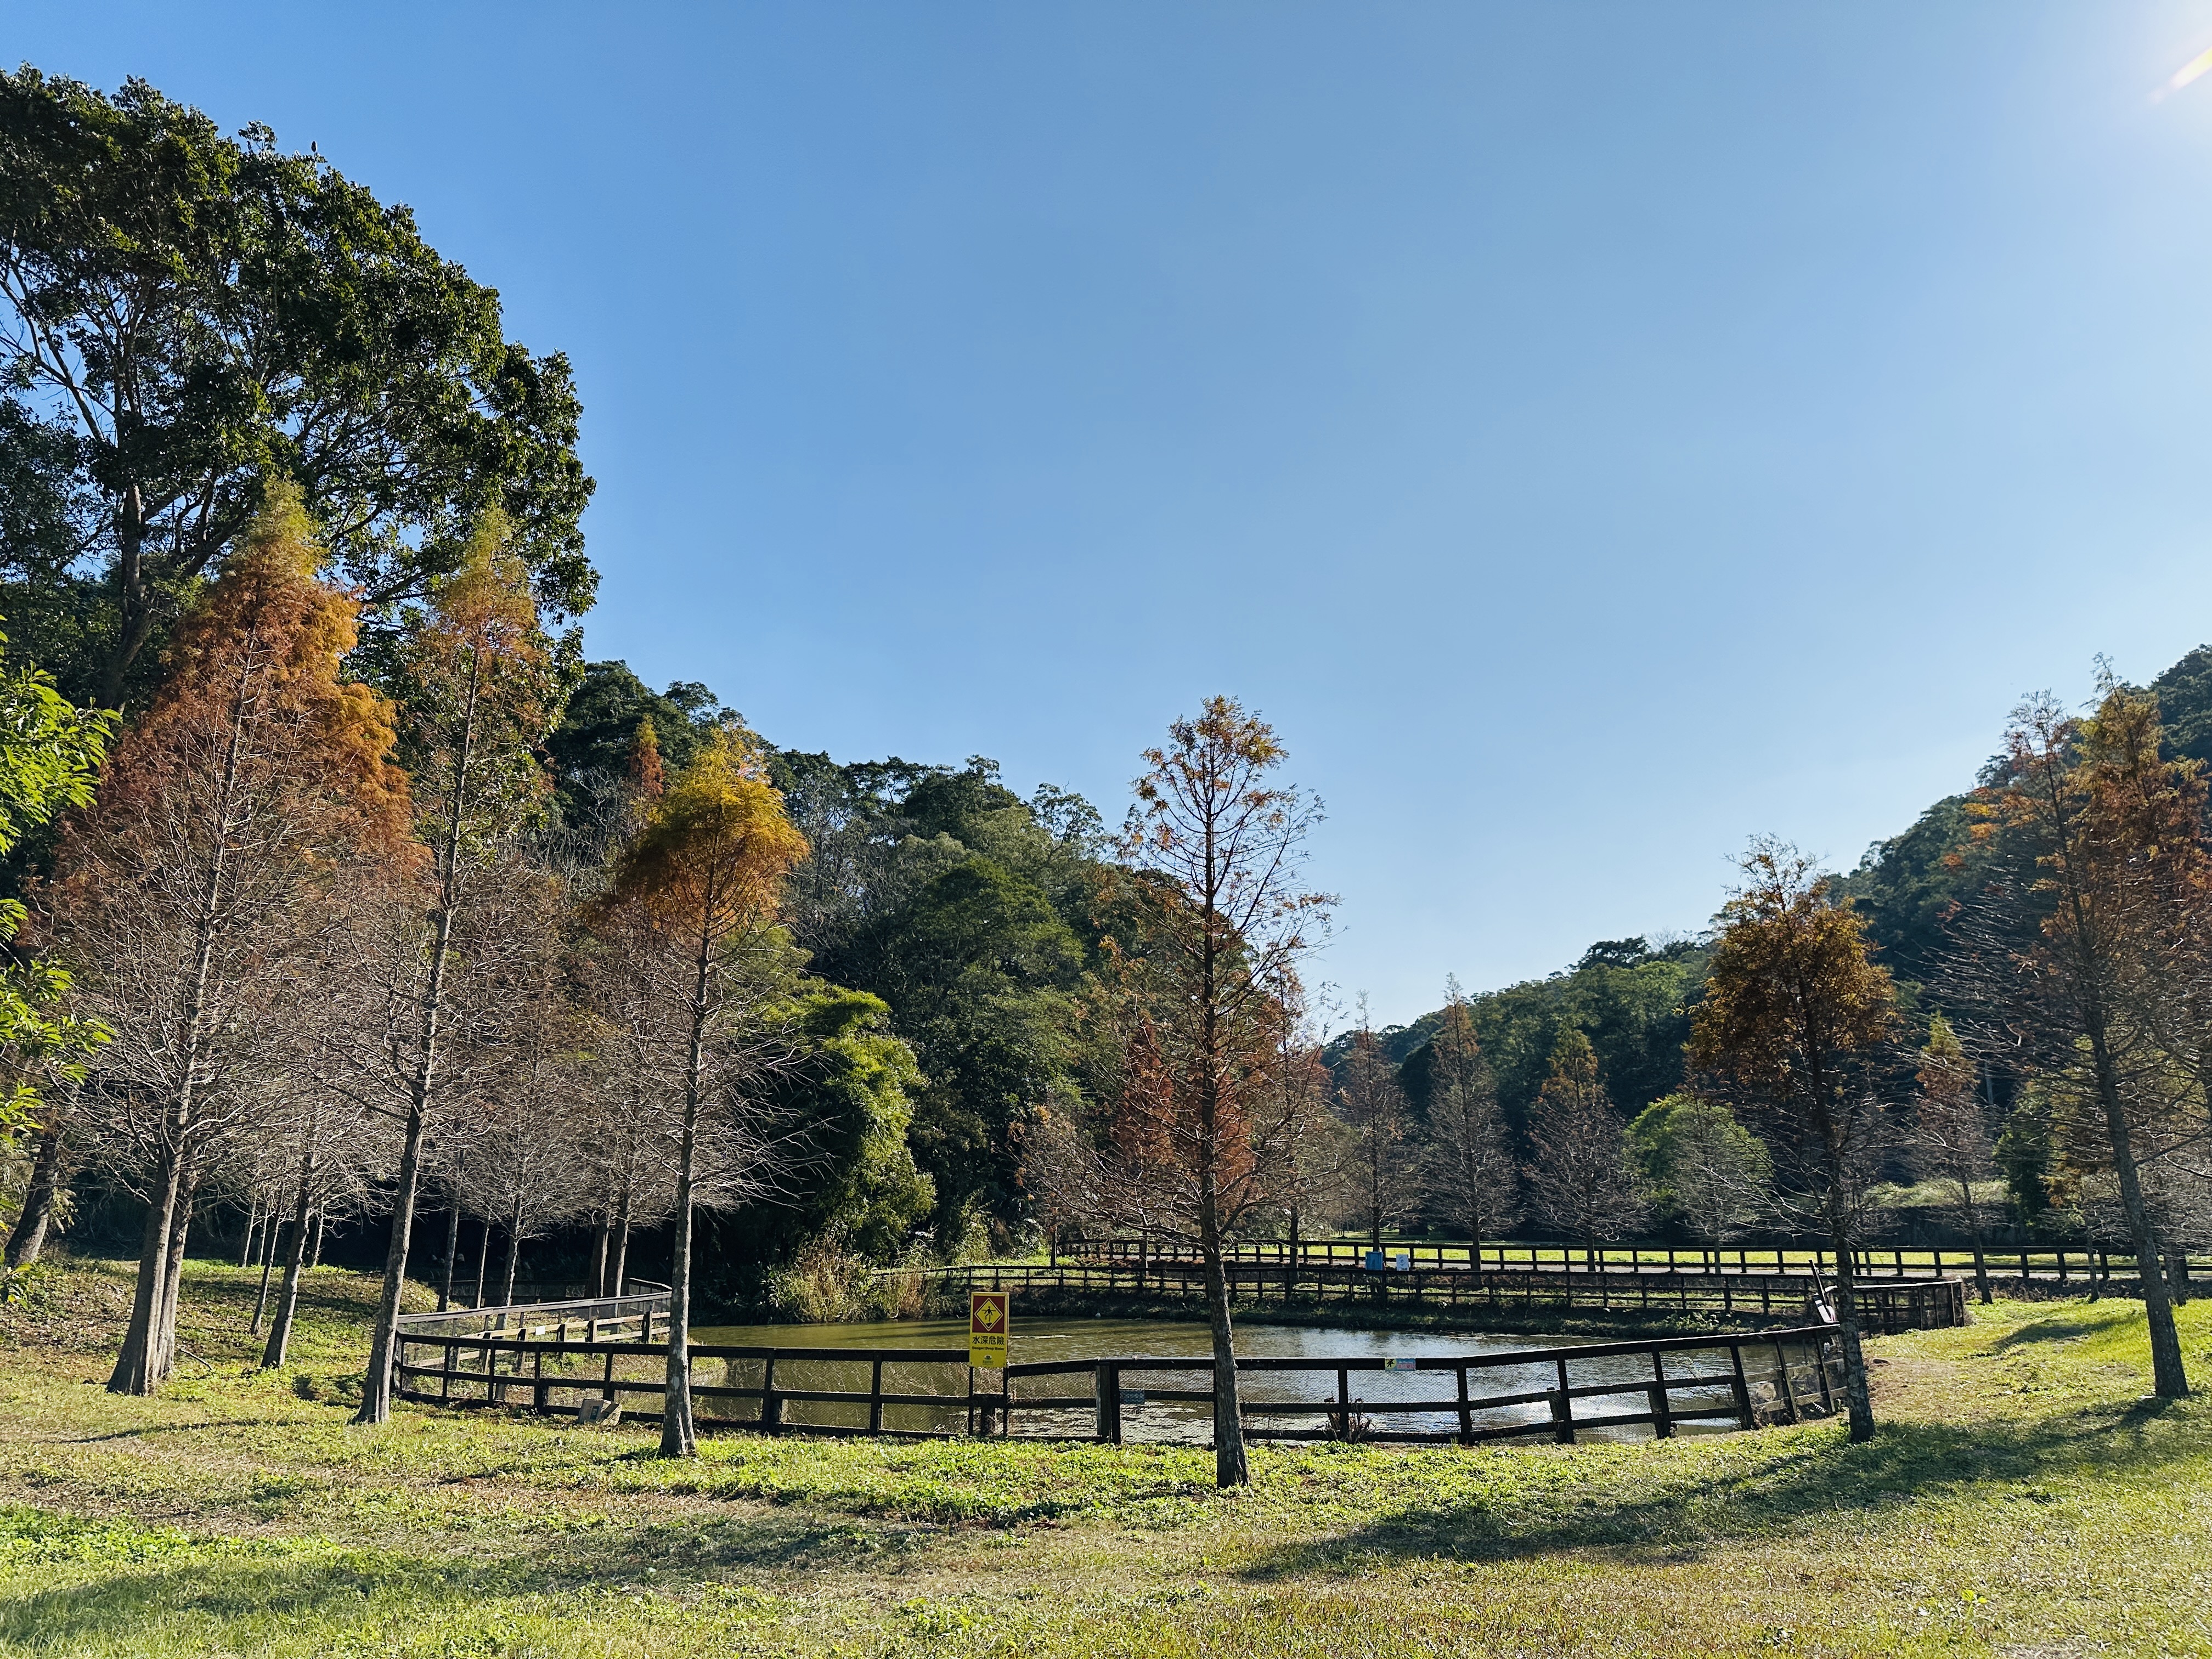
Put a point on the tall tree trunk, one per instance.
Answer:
(376, 1385)
(1231, 1467)
(1858, 1396)
(600, 1240)
(452, 1251)
(268, 1262)
(253, 1226)
(2169, 1378)
(27, 1238)
(287, 1299)
(514, 1251)
(135, 614)
(1974, 1233)
(679, 1434)
(483, 1261)
(321, 1217)
(173, 1275)
(137, 1369)
(422, 1083)
(143, 1363)
(622, 1243)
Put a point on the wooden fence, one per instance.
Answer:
(635, 1315)
(2062, 1264)
(1739, 1381)
(1889, 1306)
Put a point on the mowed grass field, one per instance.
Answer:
(2021, 1499)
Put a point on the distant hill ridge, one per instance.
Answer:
(1633, 1000)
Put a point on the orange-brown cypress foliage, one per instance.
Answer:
(1796, 1016)
(228, 827)
(479, 696)
(1206, 1135)
(706, 870)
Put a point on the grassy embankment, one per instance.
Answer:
(2019, 1500)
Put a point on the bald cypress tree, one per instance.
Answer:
(479, 696)
(692, 902)
(191, 896)
(1580, 1181)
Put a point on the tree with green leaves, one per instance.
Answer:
(49, 753)
(1702, 1165)
(1799, 1019)
(184, 316)
(851, 1088)
(693, 902)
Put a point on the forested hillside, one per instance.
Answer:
(469, 950)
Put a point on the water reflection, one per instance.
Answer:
(1073, 1412)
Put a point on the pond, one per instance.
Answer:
(1146, 1418)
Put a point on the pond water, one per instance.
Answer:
(1153, 1419)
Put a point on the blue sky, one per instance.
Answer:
(1593, 434)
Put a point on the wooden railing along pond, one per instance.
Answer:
(1926, 1303)
(1736, 1381)
(2059, 1264)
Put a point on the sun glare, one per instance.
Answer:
(2182, 76)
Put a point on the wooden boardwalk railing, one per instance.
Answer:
(635, 1315)
(1739, 1380)
(1922, 1304)
(2068, 1264)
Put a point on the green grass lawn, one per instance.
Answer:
(2020, 1500)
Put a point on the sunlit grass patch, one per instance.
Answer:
(2022, 1498)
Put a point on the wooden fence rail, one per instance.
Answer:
(636, 1313)
(1888, 1306)
(2074, 1264)
(1740, 1381)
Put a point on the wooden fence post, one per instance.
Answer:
(1662, 1417)
(1563, 1409)
(1782, 1376)
(876, 1398)
(1745, 1418)
(771, 1408)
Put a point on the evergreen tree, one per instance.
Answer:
(1703, 1165)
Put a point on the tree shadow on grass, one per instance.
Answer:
(2060, 1328)
(327, 1595)
(147, 1430)
(1681, 1514)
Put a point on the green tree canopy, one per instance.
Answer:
(184, 315)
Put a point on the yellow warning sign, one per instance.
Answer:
(987, 1320)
